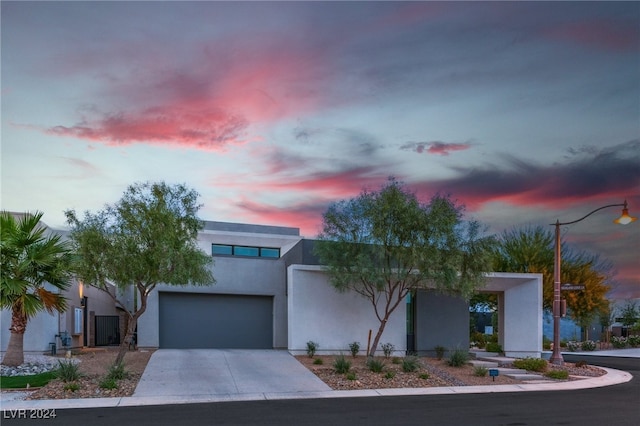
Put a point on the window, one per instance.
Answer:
(244, 251)
(221, 249)
(269, 252)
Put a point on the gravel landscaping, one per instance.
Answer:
(94, 365)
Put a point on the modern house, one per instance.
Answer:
(271, 292)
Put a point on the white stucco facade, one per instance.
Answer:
(319, 313)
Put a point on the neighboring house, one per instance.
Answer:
(271, 292)
(91, 319)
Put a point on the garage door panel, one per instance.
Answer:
(217, 321)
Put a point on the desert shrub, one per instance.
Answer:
(574, 346)
(312, 347)
(354, 347)
(478, 339)
(68, 371)
(109, 383)
(633, 341)
(546, 343)
(458, 358)
(71, 387)
(117, 372)
(351, 376)
(619, 342)
(531, 364)
(423, 376)
(410, 363)
(387, 349)
(440, 350)
(375, 365)
(341, 364)
(581, 364)
(588, 345)
(480, 371)
(395, 360)
(389, 374)
(493, 347)
(557, 374)
(318, 361)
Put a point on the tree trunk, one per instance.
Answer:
(376, 340)
(124, 346)
(15, 350)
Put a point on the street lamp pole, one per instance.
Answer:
(556, 356)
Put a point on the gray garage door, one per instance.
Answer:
(197, 321)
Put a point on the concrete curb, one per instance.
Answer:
(612, 377)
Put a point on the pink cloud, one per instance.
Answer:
(600, 34)
(211, 103)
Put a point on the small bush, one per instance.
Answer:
(318, 361)
(387, 349)
(424, 376)
(546, 343)
(557, 374)
(375, 365)
(458, 358)
(389, 374)
(342, 365)
(531, 364)
(574, 346)
(478, 339)
(351, 376)
(68, 371)
(71, 387)
(410, 364)
(619, 342)
(581, 364)
(440, 350)
(588, 345)
(109, 383)
(395, 360)
(354, 347)
(493, 347)
(117, 372)
(634, 341)
(480, 371)
(311, 348)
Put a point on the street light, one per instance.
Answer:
(624, 219)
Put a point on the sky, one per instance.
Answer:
(525, 112)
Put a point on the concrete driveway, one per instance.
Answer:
(200, 374)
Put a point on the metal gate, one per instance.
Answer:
(107, 330)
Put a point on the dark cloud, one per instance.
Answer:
(435, 147)
(610, 172)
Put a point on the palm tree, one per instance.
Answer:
(35, 269)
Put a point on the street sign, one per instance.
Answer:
(572, 287)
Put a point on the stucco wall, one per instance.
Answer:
(441, 320)
(249, 276)
(319, 313)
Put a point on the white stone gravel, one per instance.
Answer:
(34, 364)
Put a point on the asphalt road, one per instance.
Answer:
(613, 405)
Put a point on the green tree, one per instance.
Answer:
(531, 250)
(629, 314)
(385, 244)
(35, 267)
(147, 238)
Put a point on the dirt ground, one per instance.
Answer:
(94, 364)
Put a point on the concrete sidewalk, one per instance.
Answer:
(270, 375)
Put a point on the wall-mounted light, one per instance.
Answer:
(81, 292)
